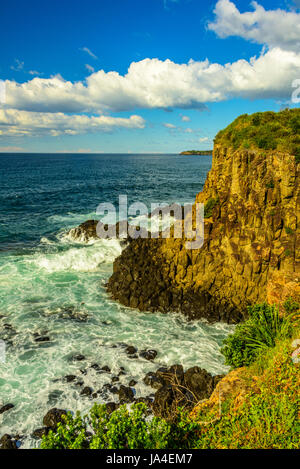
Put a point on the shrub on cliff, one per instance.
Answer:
(264, 130)
(261, 331)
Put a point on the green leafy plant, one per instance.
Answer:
(209, 206)
(263, 328)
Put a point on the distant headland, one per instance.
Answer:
(197, 152)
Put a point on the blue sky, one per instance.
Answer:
(117, 76)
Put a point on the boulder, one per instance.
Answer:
(53, 417)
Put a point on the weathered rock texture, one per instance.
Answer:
(251, 248)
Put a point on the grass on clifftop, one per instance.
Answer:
(264, 130)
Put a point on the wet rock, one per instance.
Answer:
(132, 383)
(6, 407)
(53, 417)
(96, 367)
(79, 383)
(7, 442)
(126, 394)
(163, 404)
(130, 350)
(115, 379)
(151, 379)
(42, 339)
(40, 432)
(69, 378)
(78, 358)
(87, 391)
(148, 354)
(121, 373)
(106, 368)
(174, 374)
(114, 390)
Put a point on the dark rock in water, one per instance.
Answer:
(132, 383)
(148, 354)
(85, 231)
(78, 358)
(106, 368)
(115, 379)
(79, 383)
(130, 350)
(151, 379)
(93, 230)
(87, 391)
(54, 396)
(53, 417)
(6, 407)
(121, 373)
(114, 390)
(96, 367)
(126, 394)
(40, 432)
(42, 339)
(83, 371)
(69, 378)
(6, 442)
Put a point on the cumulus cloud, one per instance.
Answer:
(152, 83)
(275, 28)
(20, 123)
(185, 119)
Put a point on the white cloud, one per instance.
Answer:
(203, 139)
(170, 126)
(89, 52)
(152, 83)
(275, 28)
(24, 123)
(185, 119)
(89, 68)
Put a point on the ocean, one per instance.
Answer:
(52, 286)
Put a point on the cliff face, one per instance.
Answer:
(251, 248)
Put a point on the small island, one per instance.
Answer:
(197, 152)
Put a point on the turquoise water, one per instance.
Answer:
(55, 287)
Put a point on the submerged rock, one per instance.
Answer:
(6, 407)
(148, 354)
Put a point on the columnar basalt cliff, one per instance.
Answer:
(251, 248)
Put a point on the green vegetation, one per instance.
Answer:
(263, 328)
(261, 411)
(288, 230)
(264, 130)
(208, 207)
(197, 152)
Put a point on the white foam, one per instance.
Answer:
(84, 259)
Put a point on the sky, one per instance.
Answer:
(141, 76)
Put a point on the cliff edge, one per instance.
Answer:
(251, 247)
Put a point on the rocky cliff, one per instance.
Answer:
(251, 248)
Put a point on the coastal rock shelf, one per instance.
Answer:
(251, 247)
